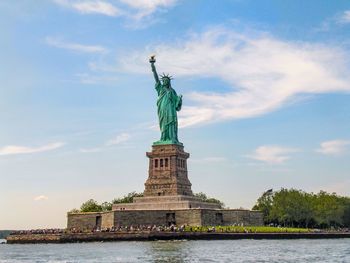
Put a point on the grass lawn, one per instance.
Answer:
(247, 229)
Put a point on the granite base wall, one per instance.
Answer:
(89, 220)
(108, 220)
(157, 217)
(193, 217)
(227, 217)
(169, 202)
(82, 220)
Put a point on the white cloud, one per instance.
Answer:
(97, 7)
(14, 149)
(272, 154)
(91, 7)
(55, 42)
(334, 147)
(41, 198)
(265, 73)
(335, 20)
(147, 7)
(344, 18)
(119, 139)
(149, 4)
(134, 9)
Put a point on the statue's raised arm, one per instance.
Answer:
(152, 60)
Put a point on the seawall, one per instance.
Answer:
(153, 235)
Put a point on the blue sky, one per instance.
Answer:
(265, 86)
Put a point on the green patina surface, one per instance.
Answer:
(168, 103)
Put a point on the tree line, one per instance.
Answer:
(296, 208)
(93, 206)
(5, 233)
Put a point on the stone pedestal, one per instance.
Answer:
(167, 172)
(167, 186)
(166, 202)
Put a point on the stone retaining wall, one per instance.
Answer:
(34, 238)
(149, 235)
(192, 217)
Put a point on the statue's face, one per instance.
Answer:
(166, 82)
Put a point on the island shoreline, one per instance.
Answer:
(153, 236)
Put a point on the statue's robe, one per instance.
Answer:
(168, 103)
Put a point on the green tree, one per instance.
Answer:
(127, 198)
(5, 233)
(278, 211)
(346, 215)
(329, 209)
(264, 204)
(73, 211)
(291, 207)
(90, 206)
(203, 197)
(106, 206)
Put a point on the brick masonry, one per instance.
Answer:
(167, 172)
(167, 202)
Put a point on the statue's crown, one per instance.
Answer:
(166, 76)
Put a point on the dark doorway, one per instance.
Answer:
(98, 222)
(170, 219)
(219, 219)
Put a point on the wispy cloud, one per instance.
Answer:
(59, 43)
(41, 198)
(120, 138)
(338, 19)
(91, 7)
(334, 147)
(147, 7)
(117, 140)
(272, 154)
(15, 149)
(344, 18)
(265, 73)
(130, 9)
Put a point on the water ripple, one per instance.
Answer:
(335, 250)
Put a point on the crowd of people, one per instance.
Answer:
(134, 228)
(162, 228)
(131, 228)
(155, 228)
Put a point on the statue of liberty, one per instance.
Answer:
(168, 104)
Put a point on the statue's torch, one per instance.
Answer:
(152, 59)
